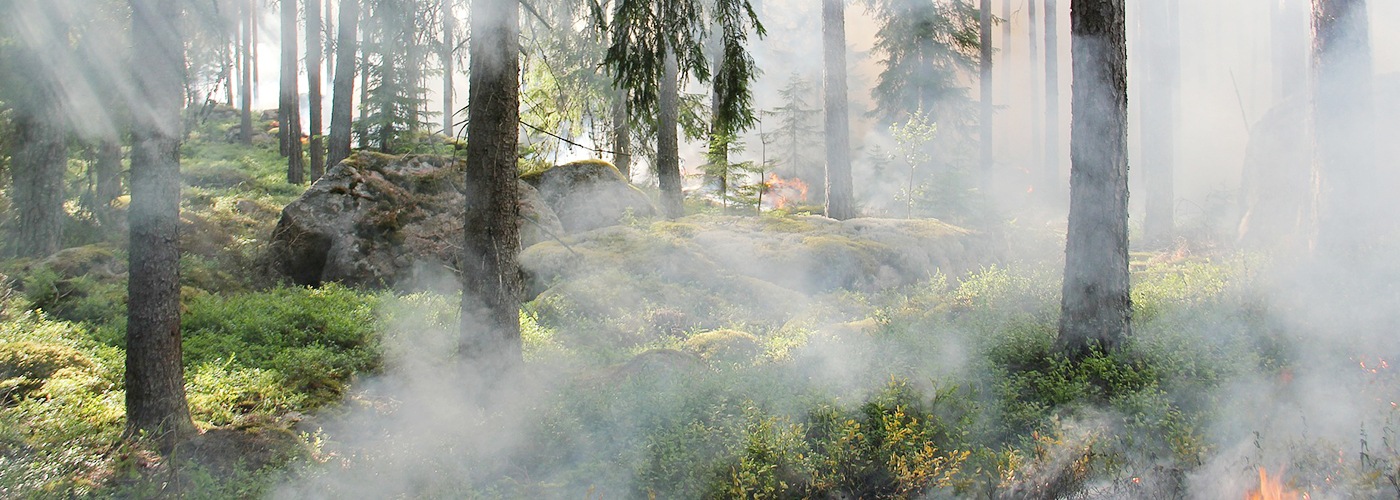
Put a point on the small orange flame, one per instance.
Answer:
(1271, 488)
(785, 191)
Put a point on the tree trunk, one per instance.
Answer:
(313, 85)
(1290, 47)
(1050, 170)
(1095, 306)
(155, 385)
(289, 122)
(716, 176)
(246, 117)
(840, 196)
(108, 170)
(328, 14)
(1037, 162)
(1162, 65)
(449, 52)
(37, 166)
(668, 163)
(363, 129)
(343, 93)
(985, 29)
(622, 134)
(492, 286)
(1344, 128)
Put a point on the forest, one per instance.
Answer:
(788, 249)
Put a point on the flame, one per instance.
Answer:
(1271, 488)
(785, 191)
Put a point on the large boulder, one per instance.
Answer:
(590, 194)
(379, 220)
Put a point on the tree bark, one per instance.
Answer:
(1290, 47)
(362, 131)
(1344, 128)
(1037, 162)
(155, 386)
(1095, 306)
(343, 93)
(668, 163)
(985, 31)
(37, 166)
(1050, 170)
(289, 121)
(246, 92)
(313, 85)
(622, 134)
(449, 51)
(492, 286)
(108, 170)
(840, 192)
(1160, 71)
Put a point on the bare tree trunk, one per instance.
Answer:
(668, 163)
(343, 93)
(985, 29)
(155, 385)
(362, 131)
(622, 134)
(840, 192)
(449, 69)
(1344, 128)
(490, 328)
(313, 86)
(289, 122)
(1037, 163)
(108, 170)
(246, 117)
(1096, 307)
(37, 166)
(328, 14)
(1290, 45)
(1161, 38)
(1050, 170)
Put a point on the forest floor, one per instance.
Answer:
(647, 383)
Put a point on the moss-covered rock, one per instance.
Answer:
(380, 220)
(725, 346)
(25, 366)
(590, 194)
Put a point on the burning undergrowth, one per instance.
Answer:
(651, 373)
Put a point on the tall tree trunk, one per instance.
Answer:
(1290, 47)
(717, 175)
(155, 384)
(985, 29)
(328, 14)
(362, 131)
(343, 93)
(1344, 128)
(1050, 170)
(490, 328)
(622, 134)
(246, 117)
(108, 170)
(1162, 65)
(1037, 163)
(37, 166)
(1006, 31)
(449, 70)
(313, 85)
(668, 162)
(840, 192)
(1095, 305)
(289, 121)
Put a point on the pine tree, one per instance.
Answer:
(289, 102)
(492, 286)
(1096, 308)
(155, 386)
(343, 92)
(840, 192)
(313, 85)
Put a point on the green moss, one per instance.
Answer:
(25, 365)
(725, 346)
